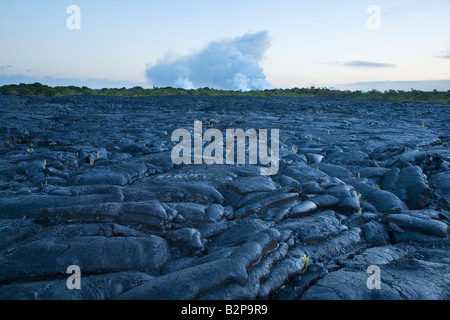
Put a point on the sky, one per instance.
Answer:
(234, 44)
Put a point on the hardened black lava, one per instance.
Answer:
(89, 181)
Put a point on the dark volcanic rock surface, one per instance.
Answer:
(89, 181)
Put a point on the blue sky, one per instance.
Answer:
(321, 43)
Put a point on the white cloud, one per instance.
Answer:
(227, 64)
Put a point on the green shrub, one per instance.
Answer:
(37, 89)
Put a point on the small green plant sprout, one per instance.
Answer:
(319, 139)
(360, 210)
(359, 195)
(98, 155)
(340, 221)
(282, 287)
(26, 133)
(284, 141)
(305, 262)
(45, 161)
(423, 125)
(190, 111)
(271, 152)
(90, 159)
(359, 175)
(78, 154)
(328, 132)
(295, 149)
(306, 137)
(231, 123)
(378, 186)
(166, 133)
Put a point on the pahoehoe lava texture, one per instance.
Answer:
(89, 181)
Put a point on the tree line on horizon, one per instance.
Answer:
(41, 90)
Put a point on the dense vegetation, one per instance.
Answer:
(38, 89)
